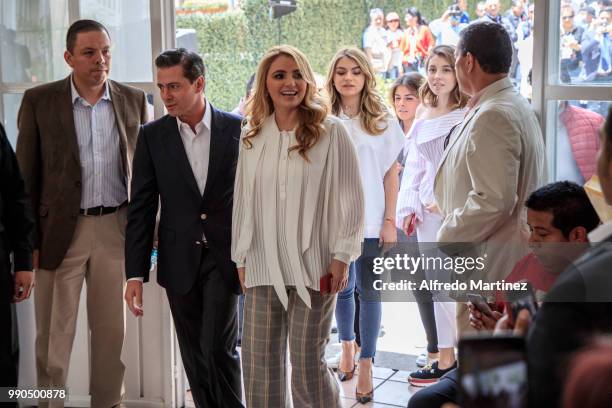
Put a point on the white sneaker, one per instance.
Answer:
(422, 360)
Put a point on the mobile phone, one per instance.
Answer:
(493, 372)
(480, 302)
(517, 300)
(325, 284)
(411, 226)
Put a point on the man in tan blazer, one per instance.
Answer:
(76, 141)
(494, 159)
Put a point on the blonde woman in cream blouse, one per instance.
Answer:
(378, 139)
(297, 218)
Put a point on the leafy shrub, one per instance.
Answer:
(232, 42)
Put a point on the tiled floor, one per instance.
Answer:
(402, 340)
(391, 389)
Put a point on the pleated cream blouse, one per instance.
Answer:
(292, 217)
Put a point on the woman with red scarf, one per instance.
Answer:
(417, 40)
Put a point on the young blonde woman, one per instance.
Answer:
(443, 107)
(297, 224)
(378, 139)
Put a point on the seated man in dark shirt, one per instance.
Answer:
(580, 303)
(558, 214)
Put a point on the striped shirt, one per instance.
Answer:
(427, 144)
(102, 173)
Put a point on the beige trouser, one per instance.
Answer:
(267, 327)
(96, 255)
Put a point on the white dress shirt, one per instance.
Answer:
(197, 146)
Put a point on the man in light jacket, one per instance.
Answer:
(494, 159)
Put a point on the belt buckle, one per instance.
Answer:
(95, 211)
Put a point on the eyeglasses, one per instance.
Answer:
(393, 21)
(567, 17)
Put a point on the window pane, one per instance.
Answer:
(573, 138)
(11, 103)
(32, 33)
(585, 45)
(522, 65)
(129, 23)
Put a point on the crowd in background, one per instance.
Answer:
(397, 45)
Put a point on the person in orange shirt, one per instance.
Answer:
(417, 40)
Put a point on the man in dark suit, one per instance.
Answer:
(187, 160)
(75, 144)
(16, 227)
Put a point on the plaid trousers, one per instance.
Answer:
(267, 326)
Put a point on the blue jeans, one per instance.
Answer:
(370, 311)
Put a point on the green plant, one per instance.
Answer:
(232, 42)
(203, 4)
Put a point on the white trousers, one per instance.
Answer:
(445, 312)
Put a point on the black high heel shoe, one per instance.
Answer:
(346, 375)
(364, 397)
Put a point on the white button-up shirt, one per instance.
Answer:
(197, 146)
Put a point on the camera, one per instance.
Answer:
(454, 11)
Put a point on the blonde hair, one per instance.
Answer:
(457, 99)
(312, 111)
(372, 107)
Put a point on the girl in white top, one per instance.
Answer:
(379, 139)
(297, 219)
(404, 94)
(442, 108)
